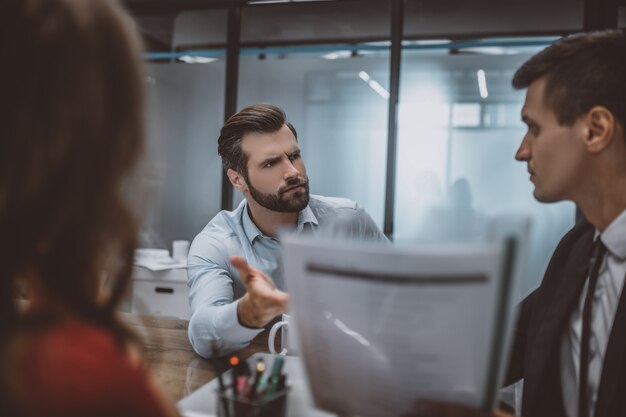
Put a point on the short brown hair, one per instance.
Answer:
(262, 118)
(583, 70)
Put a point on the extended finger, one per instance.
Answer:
(242, 266)
(247, 273)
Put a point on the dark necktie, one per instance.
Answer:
(597, 256)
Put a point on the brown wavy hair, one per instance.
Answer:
(71, 104)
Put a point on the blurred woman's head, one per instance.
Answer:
(71, 131)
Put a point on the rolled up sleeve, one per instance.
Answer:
(212, 300)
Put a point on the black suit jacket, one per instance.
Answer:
(542, 318)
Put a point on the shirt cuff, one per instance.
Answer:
(233, 330)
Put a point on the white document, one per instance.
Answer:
(161, 264)
(380, 327)
(157, 260)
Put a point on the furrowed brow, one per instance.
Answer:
(270, 160)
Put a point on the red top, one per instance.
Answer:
(79, 370)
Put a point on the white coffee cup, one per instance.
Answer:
(271, 340)
(180, 250)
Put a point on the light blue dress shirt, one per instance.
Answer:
(215, 285)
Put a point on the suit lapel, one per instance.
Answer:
(559, 305)
(613, 360)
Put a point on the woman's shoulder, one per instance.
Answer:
(74, 351)
(76, 369)
(75, 341)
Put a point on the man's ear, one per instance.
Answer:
(600, 126)
(237, 180)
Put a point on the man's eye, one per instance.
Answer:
(268, 165)
(294, 156)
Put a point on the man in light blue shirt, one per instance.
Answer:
(230, 262)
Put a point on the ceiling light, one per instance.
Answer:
(190, 59)
(490, 50)
(482, 83)
(338, 55)
(374, 85)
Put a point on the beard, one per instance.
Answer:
(281, 203)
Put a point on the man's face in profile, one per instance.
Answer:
(276, 177)
(554, 154)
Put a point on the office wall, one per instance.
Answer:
(199, 28)
(425, 18)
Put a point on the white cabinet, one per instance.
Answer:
(162, 293)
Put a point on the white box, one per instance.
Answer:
(162, 293)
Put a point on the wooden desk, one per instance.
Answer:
(179, 370)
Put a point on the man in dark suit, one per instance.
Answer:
(569, 348)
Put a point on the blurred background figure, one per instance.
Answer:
(445, 219)
(465, 222)
(70, 134)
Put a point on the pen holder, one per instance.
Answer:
(273, 405)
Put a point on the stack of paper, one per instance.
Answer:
(157, 260)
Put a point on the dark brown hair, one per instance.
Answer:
(71, 104)
(583, 70)
(262, 118)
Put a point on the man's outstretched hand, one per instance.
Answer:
(262, 301)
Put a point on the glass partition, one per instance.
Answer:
(182, 169)
(459, 127)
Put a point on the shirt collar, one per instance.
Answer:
(252, 232)
(614, 236)
(306, 216)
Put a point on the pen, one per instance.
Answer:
(277, 367)
(242, 385)
(260, 368)
(234, 361)
(271, 388)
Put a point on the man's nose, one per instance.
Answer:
(523, 152)
(291, 171)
